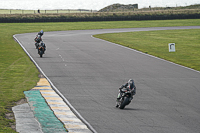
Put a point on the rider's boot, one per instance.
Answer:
(117, 105)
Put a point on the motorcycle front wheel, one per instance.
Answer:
(124, 103)
(41, 53)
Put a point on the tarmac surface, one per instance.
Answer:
(86, 73)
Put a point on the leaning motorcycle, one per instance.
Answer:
(126, 97)
(37, 40)
(41, 50)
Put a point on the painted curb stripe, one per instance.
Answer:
(46, 94)
(60, 108)
(44, 88)
(63, 108)
(43, 81)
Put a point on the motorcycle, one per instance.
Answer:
(37, 40)
(126, 97)
(41, 50)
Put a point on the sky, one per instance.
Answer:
(88, 4)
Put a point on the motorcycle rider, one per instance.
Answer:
(131, 85)
(42, 45)
(41, 33)
(38, 38)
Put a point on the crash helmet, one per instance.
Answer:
(39, 38)
(131, 84)
(41, 33)
(42, 44)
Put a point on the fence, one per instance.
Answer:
(12, 11)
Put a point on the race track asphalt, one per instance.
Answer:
(88, 72)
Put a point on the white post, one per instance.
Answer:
(171, 47)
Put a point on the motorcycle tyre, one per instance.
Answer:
(129, 101)
(124, 103)
(41, 53)
(36, 45)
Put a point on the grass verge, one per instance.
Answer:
(18, 73)
(155, 43)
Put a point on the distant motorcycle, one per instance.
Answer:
(37, 40)
(41, 49)
(126, 97)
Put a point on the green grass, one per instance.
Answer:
(187, 44)
(18, 73)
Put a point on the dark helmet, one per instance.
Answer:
(131, 84)
(42, 44)
(41, 32)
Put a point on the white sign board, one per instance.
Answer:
(171, 47)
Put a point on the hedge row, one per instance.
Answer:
(98, 17)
